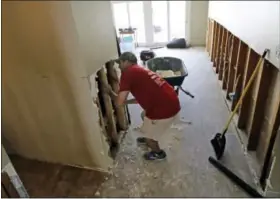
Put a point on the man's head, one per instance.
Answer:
(126, 59)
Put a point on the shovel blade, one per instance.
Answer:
(219, 143)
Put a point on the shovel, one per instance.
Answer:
(219, 141)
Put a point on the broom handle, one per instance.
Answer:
(245, 91)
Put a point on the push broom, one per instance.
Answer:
(219, 141)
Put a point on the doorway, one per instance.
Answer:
(129, 15)
(156, 22)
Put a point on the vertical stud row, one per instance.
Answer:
(259, 114)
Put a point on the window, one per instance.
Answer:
(160, 28)
(177, 15)
(137, 19)
(120, 15)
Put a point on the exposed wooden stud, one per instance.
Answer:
(111, 124)
(226, 59)
(207, 35)
(272, 144)
(215, 40)
(214, 43)
(113, 81)
(259, 114)
(270, 113)
(128, 115)
(222, 54)
(232, 65)
(252, 60)
(259, 96)
(102, 119)
(210, 37)
(236, 82)
(239, 72)
(218, 48)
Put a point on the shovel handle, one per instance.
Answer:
(245, 90)
(238, 181)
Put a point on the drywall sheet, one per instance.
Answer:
(48, 112)
(257, 23)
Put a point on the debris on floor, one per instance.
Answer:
(186, 171)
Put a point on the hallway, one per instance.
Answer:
(186, 172)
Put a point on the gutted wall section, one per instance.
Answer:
(48, 109)
(254, 22)
(258, 117)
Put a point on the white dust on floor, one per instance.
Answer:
(186, 172)
(133, 176)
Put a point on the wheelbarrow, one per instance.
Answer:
(174, 64)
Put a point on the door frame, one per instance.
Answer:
(148, 22)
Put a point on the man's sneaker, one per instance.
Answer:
(155, 155)
(141, 140)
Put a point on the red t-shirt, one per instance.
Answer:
(153, 94)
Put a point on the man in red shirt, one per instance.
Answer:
(158, 99)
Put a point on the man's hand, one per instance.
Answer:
(108, 89)
(114, 79)
(121, 98)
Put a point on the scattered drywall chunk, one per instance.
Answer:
(97, 193)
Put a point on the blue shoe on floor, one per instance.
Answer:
(155, 155)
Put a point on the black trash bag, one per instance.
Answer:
(177, 43)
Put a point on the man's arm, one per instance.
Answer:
(122, 98)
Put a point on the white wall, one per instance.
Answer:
(255, 22)
(196, 22)
(49, 48)
(96, 32)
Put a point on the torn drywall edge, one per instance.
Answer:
(89, 118)
(92, 169)
(93, 89)
(103, 123)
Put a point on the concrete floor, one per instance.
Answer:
(186, 172)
